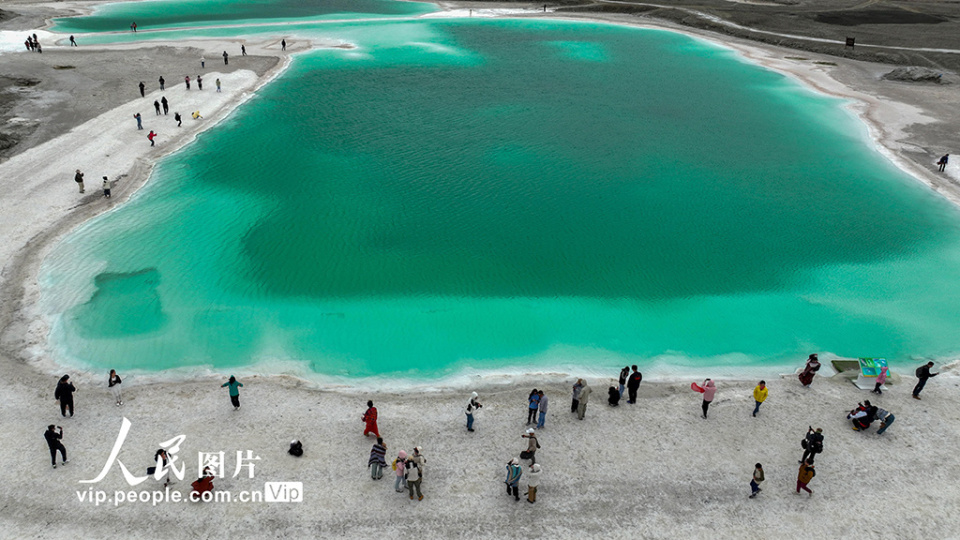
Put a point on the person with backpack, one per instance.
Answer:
(812, 445)
(370, 420)
(471, 409)
(532, 445)
(377, 459)
(64, 394)
(533, 403)
(633, 385)
(399, 466)
(759, 395)
(514, 472)
(414, 475)
(923, 373)
(804, 476)
(757, 479)
(863, 415)
(54, 436)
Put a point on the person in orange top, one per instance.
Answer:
(759, 395)
(370, 417)
(804, 477)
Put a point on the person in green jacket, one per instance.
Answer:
(234, 385)
(759, 395)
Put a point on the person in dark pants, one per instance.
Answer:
(79, 180)
(514, 472)
(156, 106)
(234, 385)
(624, 373)
(942, 164)
(923, 373)
(226, 58)
(812, 445)
(633, 384)
(533, 403)
(142, 86)
(176, 116)
(73, 42)
(106, 185)
(577, 387)
(283, 44)
(53, 435)
(758, 477)
(243, 50)
(162, 82)
(139, 121)
(186, 80)
(150, 136)
(804, 477)
(166, 106)
(709, 391)
(199, 82)
(64, 394)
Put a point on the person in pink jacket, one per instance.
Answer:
(399, 465)
(881, 378)
(709, 390)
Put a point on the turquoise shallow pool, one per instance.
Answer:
(515, 194)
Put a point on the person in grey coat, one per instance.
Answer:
(584, 398)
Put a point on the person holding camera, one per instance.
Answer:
(532, 446)
(812, 444)
(471, 408)
(53, 435)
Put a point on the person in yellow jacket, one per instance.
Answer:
(759, 395)
(804, 477)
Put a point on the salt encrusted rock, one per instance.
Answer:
(914, 74)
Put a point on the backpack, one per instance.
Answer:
(395, 464)
(919, 371)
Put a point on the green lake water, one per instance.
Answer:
(514, 195)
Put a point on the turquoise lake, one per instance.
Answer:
(514, 195)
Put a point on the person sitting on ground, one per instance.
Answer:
(863, 415)
(296, 448)
(203, 484)
(196, 115)
(886, 418)
(613, 396)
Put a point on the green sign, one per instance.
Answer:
(870, 367)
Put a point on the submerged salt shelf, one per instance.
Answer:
(464, 195)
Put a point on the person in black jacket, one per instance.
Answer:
(115, 385)
(64, 394)
(633, 384)
(624, 373)
(613, 396)
(923, 373)
(53, 438)
(813, 445)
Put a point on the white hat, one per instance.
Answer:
(474, 395)
(530, 430)
(514, 461)
(536, 467)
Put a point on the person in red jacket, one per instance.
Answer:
(370, 417)
(152, 136)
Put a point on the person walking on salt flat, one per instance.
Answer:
(804, 476)
(234, 385)
(756, 480)
(923, 373)
(377, 459)
(370, 419)
(79, 180)
(759, 396)
(633, 385)
(54, 436)
(64, 394)
(514, 472)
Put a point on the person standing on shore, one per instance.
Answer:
(533, 403)
(759, 395)
(584, 398)
(73, 42)
(156, 106)
(64, 394)
(633, 385)
(533, 482)
(226, 58)
(234, 385)
(187, 81)
(203, 62)
(923, 373)
(179, 120)
(106, 183)
(756, 480)
(150, 136)
(166, 105)
(886, 418)
(414, 475)
(514, 472)
(54, 436)
(811, 369)
(162, 82)
(142, 86)
(399, 466)
(804, 477)
(577, 388)
(139, 120)
(370, 418)
(709, 391)
(624, 374)
(532, 446)
(283, 44)
(218, 85)
(113, 383)
(377, 459)
(942, 164)
(881, 380)
(471, 409)
(544, 403)
(199, 82)
(78, 178)
(812, 445)
(243, 50)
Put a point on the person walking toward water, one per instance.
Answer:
(709, 391)
(577, 388)
(54, 436)
(544, 403)
(414, 475)
(73, 42)
(133, 26)
(150, 136)
(370, 418)
(199, 82)
(156, 106)
(106, 186)
(514, 472)
(226, 58)
(377, 459)
(881, 380)
(139, 121)
(633, 385)
(64, 394)
(113, 383)
(166, 106)
(533, 403)
(142, 86)
(471, 409)
(923, 373)
(942, 164)
(812, 445)
(399, 466)
(78, 178)
(176, 116)
(533, 482)
(161, 82)
(218, 85)
(203, 62)
(234, 385)
(243, 50)
(804, 477)
(756, 480)
(811, 369)
(584, 398)
(187, 81)
(624, 374)
(532, 446)
(759, 395)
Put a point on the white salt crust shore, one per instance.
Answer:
(652, 470)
